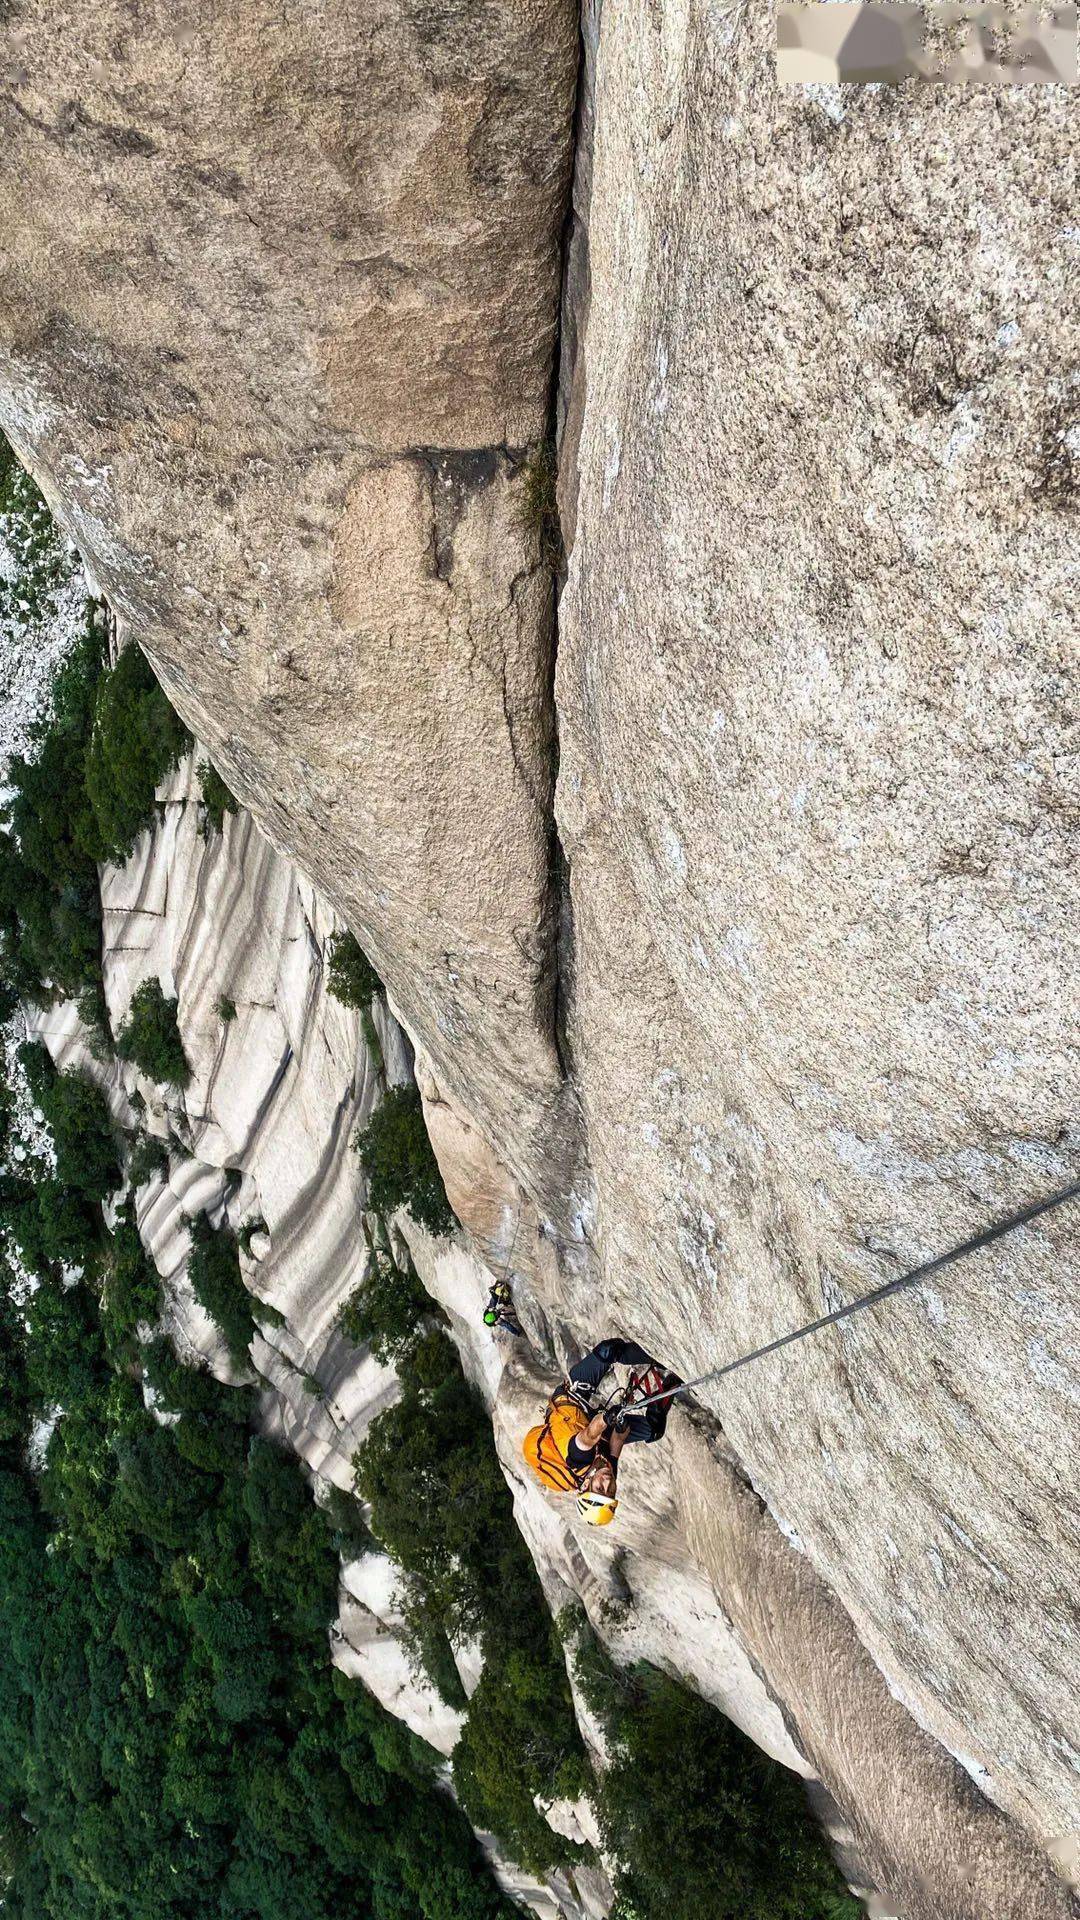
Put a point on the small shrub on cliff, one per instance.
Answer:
(401, 1168)
(351, 1535)
(387, 1309)
(256, 1224)
(136, 740)
(350, 975)
(151, 1037)
(218, 1286)
(216, 798)
(131, 1290)
(149, 1156)
(725, 1833)
(94, 1015)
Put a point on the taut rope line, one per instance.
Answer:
(912, 1279)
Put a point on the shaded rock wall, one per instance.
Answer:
(277, 314)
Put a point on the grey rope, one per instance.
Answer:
(912, 1279)
(513, 1244)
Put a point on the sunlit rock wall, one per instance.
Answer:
(817, 795)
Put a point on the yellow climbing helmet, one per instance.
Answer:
(597, 1508)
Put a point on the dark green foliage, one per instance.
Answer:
(149, 1156)
(705, 1826)
(41, 566)
(94, 1015)
(429, 1645)
(216, 797)
(514, 1746)
(87, 1158)
(387, 1309)
(430, 1471)
(15, 1410)
(50, 909)
(226, 1009)
(218, 1286)
(53, 1219)
(173, 1745)
(66, 1229)
(401, 1168)
(50, 904)
(351, 977)
(151, 1037)
(62, 1364)
(265, 1314)
(131, 1290)
(136, 740)
(441, 1506)
(353, 980)
(349, 1530)
(248, 1231)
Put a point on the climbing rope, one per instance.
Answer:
(513, 1244)
(912, 1279)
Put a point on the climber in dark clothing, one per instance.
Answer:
(573, 1450)
(607, 1433)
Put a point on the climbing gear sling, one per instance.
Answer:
(912, 1279)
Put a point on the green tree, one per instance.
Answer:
(401, 1168)
(216, 797)
(87, 1154)
(351, 977)
(38, 566)
(131, 1291)
(727, 1834)
(387, 1310)
(151, 1037)
(136, 740)
(170, 1737)
(149, 1156)
(441, 1506)
(218, 1286)
(50, 903)
(62, 1361)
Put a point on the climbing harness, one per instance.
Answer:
(912, 1279)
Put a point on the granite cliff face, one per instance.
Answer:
(818, 800)
(791, 1009)
(277, 317)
